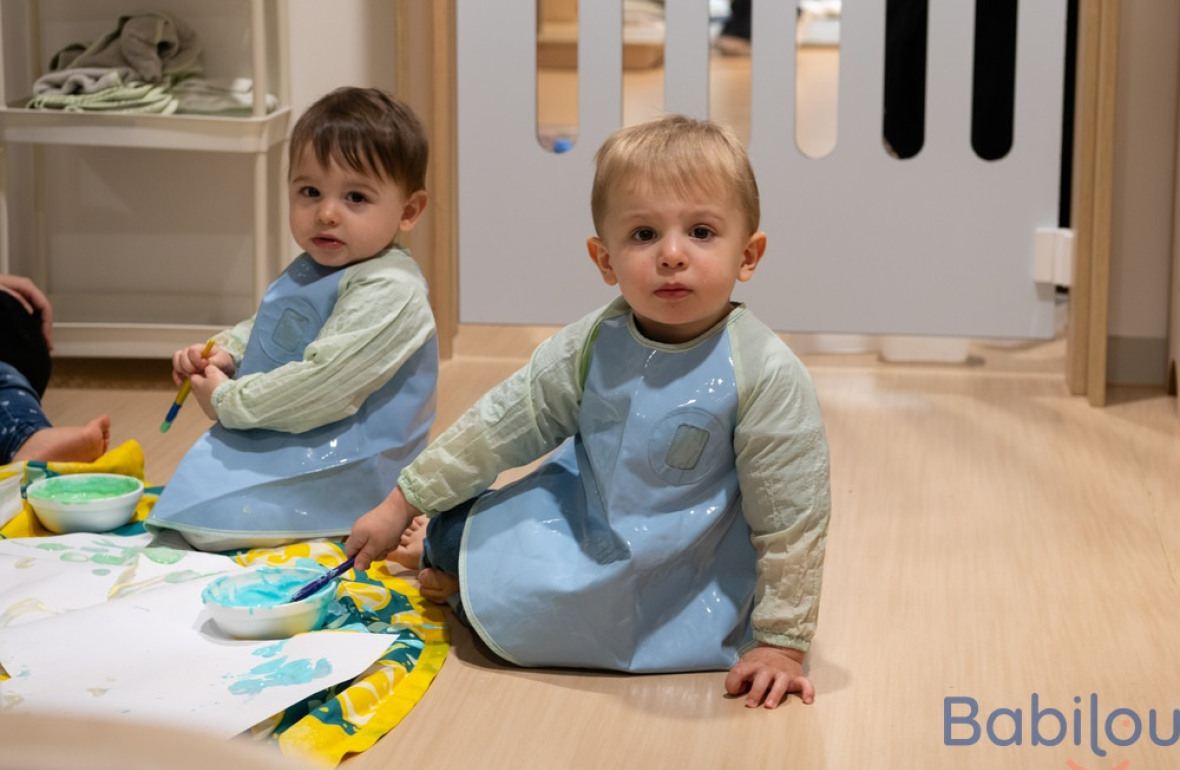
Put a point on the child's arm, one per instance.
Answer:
(380, 319)
(206, 372)
(516, 422)
(203, 385)
(227, 351)
(233, 341)
(782, 466)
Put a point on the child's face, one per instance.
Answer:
(675, 257)
(340, 216)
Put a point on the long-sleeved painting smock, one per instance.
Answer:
(333, 395)
(712, 451)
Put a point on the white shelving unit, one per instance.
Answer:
(253, 136)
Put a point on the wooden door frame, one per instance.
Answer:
(425, 53)
(1092, 195)
(1174, 328)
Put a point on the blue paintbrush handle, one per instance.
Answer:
(172, 412)
(319, 582)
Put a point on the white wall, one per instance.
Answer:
(341, 43)
(1144, 174)
(16, 80)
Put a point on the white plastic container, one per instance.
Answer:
(252, 605)
(85, 502)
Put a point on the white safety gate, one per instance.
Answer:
(859, 241)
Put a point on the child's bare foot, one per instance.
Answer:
(436, 585)
(68, 444)
(409, 550)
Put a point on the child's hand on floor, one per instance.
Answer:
(379, 531)
(766, 674)
(203, 387)
(188, 361)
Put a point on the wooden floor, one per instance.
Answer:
(991, 538)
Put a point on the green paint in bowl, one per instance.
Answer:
(84, 488)
(85, 502)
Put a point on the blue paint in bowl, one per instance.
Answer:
(255, 604)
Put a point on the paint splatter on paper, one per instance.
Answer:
(280, 672)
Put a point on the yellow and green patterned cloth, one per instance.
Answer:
(341, 720)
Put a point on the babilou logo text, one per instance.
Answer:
(1086, 723)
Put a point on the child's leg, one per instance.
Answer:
(440, 542)
(443, 537)
(26, 434)
(74, 443)
(20, 412)
(433, 542)
(438, 586)
(409, 551)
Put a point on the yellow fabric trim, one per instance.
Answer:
(377, 700)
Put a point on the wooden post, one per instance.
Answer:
(1174, 329)
(426, 82)
(1093, 181)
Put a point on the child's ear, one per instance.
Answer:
(601, 259)
(752, 255)
(412, 211)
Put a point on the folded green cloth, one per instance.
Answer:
(130, 69)
(129, 97)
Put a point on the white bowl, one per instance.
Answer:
(252, 605)
(85, 502)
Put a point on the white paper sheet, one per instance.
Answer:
(45, 576)
(136, 643)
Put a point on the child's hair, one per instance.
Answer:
(368, 131)
(675, 153)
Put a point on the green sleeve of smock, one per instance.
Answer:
(234, 339)
(381, 317)
(782, 466)
(519, 420)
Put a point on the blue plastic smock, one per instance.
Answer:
(241, 488)
(627, 549)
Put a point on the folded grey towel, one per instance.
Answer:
(153, 44)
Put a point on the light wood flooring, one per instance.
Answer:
(991, 537)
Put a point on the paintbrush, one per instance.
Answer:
(321, 581)
(183, 394)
